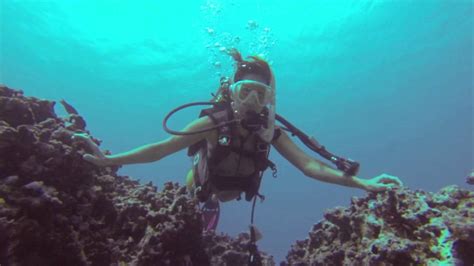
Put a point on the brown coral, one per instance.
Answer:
(397, 227)
(57, 209)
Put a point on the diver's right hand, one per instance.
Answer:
(98, 158)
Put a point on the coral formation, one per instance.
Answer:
(470, 178)
(57, 209)
(225, 250)
(397, 227)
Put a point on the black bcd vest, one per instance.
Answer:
(205, 161)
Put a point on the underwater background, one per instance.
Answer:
(386, 83)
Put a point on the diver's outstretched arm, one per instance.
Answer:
(318, 170)
(149, 152)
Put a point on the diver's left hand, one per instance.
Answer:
(382, 182)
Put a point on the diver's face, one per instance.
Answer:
(252, 95)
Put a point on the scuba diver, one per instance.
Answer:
(230, 143)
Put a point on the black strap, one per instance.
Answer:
(273, 167)
(254, 256)
(276, 134)
(231, 182)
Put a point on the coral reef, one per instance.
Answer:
(57, 209)
(397, 227)
(224, 250)
(470, 178)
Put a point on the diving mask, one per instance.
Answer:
(252, 93)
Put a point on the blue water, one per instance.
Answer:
(387, 83)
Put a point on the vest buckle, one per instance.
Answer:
(224, 140)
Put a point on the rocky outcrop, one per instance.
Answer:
(225, 250)
(470, 178)
(57, 209)
(398, 227)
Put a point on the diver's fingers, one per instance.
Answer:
(382, 187)
(95, 160)
(95, 149)
(79, 136)
(399, 182)
(377, 188)
(389, 179)
(396, 181)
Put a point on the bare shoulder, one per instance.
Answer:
(181, 141)
(203, 123)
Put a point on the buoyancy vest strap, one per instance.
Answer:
(249, 184)
(217, 116)
(277, 134)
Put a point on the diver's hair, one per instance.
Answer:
(254, 65)
(235, 54)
